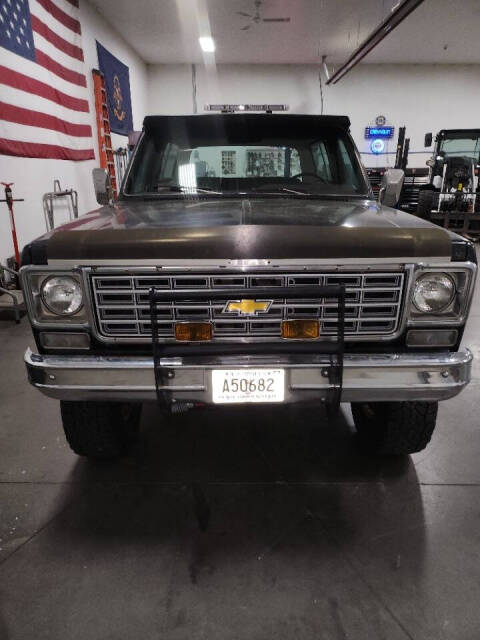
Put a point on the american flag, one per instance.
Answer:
(44, 110)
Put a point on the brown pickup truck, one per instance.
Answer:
(246, 261)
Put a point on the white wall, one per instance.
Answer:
(421, 97)
(33, 177)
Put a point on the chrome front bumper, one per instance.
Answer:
(366, 377)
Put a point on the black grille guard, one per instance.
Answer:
(334, 349)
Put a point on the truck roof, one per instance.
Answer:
(273, 120)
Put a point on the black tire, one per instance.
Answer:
(477, 203)
(425, 203)
(394, 428)
(100, 429)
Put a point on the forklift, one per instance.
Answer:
(452, 198)
(414, 177)
(376, 174)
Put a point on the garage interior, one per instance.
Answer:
(232, 523)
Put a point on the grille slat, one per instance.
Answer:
(373, 303)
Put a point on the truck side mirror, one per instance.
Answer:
(428, 140)
(102, 186)
(391, 187)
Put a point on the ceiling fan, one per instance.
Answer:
(256, 17)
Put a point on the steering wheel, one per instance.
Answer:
(304, 174)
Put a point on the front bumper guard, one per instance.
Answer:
(333, 349)
(366, 377)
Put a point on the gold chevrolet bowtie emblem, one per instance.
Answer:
(248, 307)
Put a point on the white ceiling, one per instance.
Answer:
(167, 31)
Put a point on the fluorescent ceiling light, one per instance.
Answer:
(207, 43)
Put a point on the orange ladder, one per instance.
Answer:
(105, 148)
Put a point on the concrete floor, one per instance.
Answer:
(236, 525)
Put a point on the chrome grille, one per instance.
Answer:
(373, 303)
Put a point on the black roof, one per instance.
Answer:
(260, 120)
(459, 133)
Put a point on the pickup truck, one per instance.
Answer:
(246, 261)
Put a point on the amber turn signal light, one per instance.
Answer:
(193, 331)
(300, 329)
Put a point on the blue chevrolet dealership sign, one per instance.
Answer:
(379, 132)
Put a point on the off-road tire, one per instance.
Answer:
(394, 428)
(425, 203)
(477, 203)
(100, 429)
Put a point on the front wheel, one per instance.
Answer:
(395, 428)
(425, 204)
(100, 429)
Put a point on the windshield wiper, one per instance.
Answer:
(310, 194)
(266, 189)
(175, 188)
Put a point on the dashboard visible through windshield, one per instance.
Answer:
(247, 155)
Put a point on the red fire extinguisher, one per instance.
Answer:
(9, 199)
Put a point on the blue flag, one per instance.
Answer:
(117, 83)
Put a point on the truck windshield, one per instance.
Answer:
(465, 147)
(231, 155)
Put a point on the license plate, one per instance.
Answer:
(248, 385)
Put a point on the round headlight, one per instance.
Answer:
(433, 292)
(62, 295)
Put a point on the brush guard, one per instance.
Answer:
(334, 348)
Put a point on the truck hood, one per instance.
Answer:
(240, 228)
